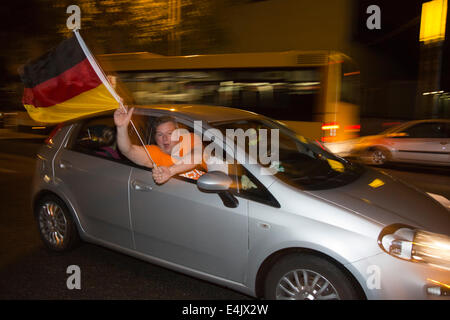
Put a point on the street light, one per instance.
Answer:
(433, 21)
(432, 35)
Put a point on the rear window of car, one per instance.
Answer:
(428, 130)
(97, 137)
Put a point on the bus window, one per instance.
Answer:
(307, 90)
(282, 94)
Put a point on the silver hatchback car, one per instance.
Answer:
(309, 225)
(421, 142)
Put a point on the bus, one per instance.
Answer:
(315, 93)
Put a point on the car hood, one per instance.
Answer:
(387, 200)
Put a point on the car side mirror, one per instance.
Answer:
(214, 181)
(218, 182)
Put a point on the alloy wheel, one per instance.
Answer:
(53, 224)
(378, 157)
(302, 284)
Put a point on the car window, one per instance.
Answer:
(97, 137)
(248, 187)
(427, 130)
(245, 184)
(293, 158)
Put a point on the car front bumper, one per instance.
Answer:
(388, 278)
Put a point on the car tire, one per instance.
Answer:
(377, 156)
(55, 224)
(308, 277)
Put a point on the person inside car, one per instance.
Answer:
(168, 157)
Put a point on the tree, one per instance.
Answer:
(32, 27)
(146, 25)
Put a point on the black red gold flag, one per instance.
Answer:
(62, 85)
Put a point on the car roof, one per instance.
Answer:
(210, 114)
(408, 124)
(202, 112)
(431, 120)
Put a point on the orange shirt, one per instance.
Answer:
(160, 158)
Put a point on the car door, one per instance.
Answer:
(94, 176)
(425, 142)
(178, 223)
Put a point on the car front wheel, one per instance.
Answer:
(307, 277)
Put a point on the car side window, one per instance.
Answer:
(248, 187)
(244, 185)
(427, 130)
(97, 137)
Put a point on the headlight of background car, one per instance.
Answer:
(414, 245)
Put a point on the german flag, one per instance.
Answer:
(63, 85)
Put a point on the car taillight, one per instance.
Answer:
(329, 131)
(49, 140)
(330, 126)
(353, 128)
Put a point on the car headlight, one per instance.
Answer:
(415, 245)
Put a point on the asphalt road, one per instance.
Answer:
(29, 271)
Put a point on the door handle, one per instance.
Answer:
(140, 186)
(63, 164)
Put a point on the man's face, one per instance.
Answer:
(163, 136)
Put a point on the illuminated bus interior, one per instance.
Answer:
(281, 94)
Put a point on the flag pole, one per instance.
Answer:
(98, 70)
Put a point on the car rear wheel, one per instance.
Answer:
(56, 226)
(307, 277)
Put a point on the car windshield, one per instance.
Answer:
(291, 157)
(393, 129)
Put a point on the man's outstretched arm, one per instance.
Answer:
(135, 153)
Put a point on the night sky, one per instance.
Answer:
(24, 32)
(398, 37)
